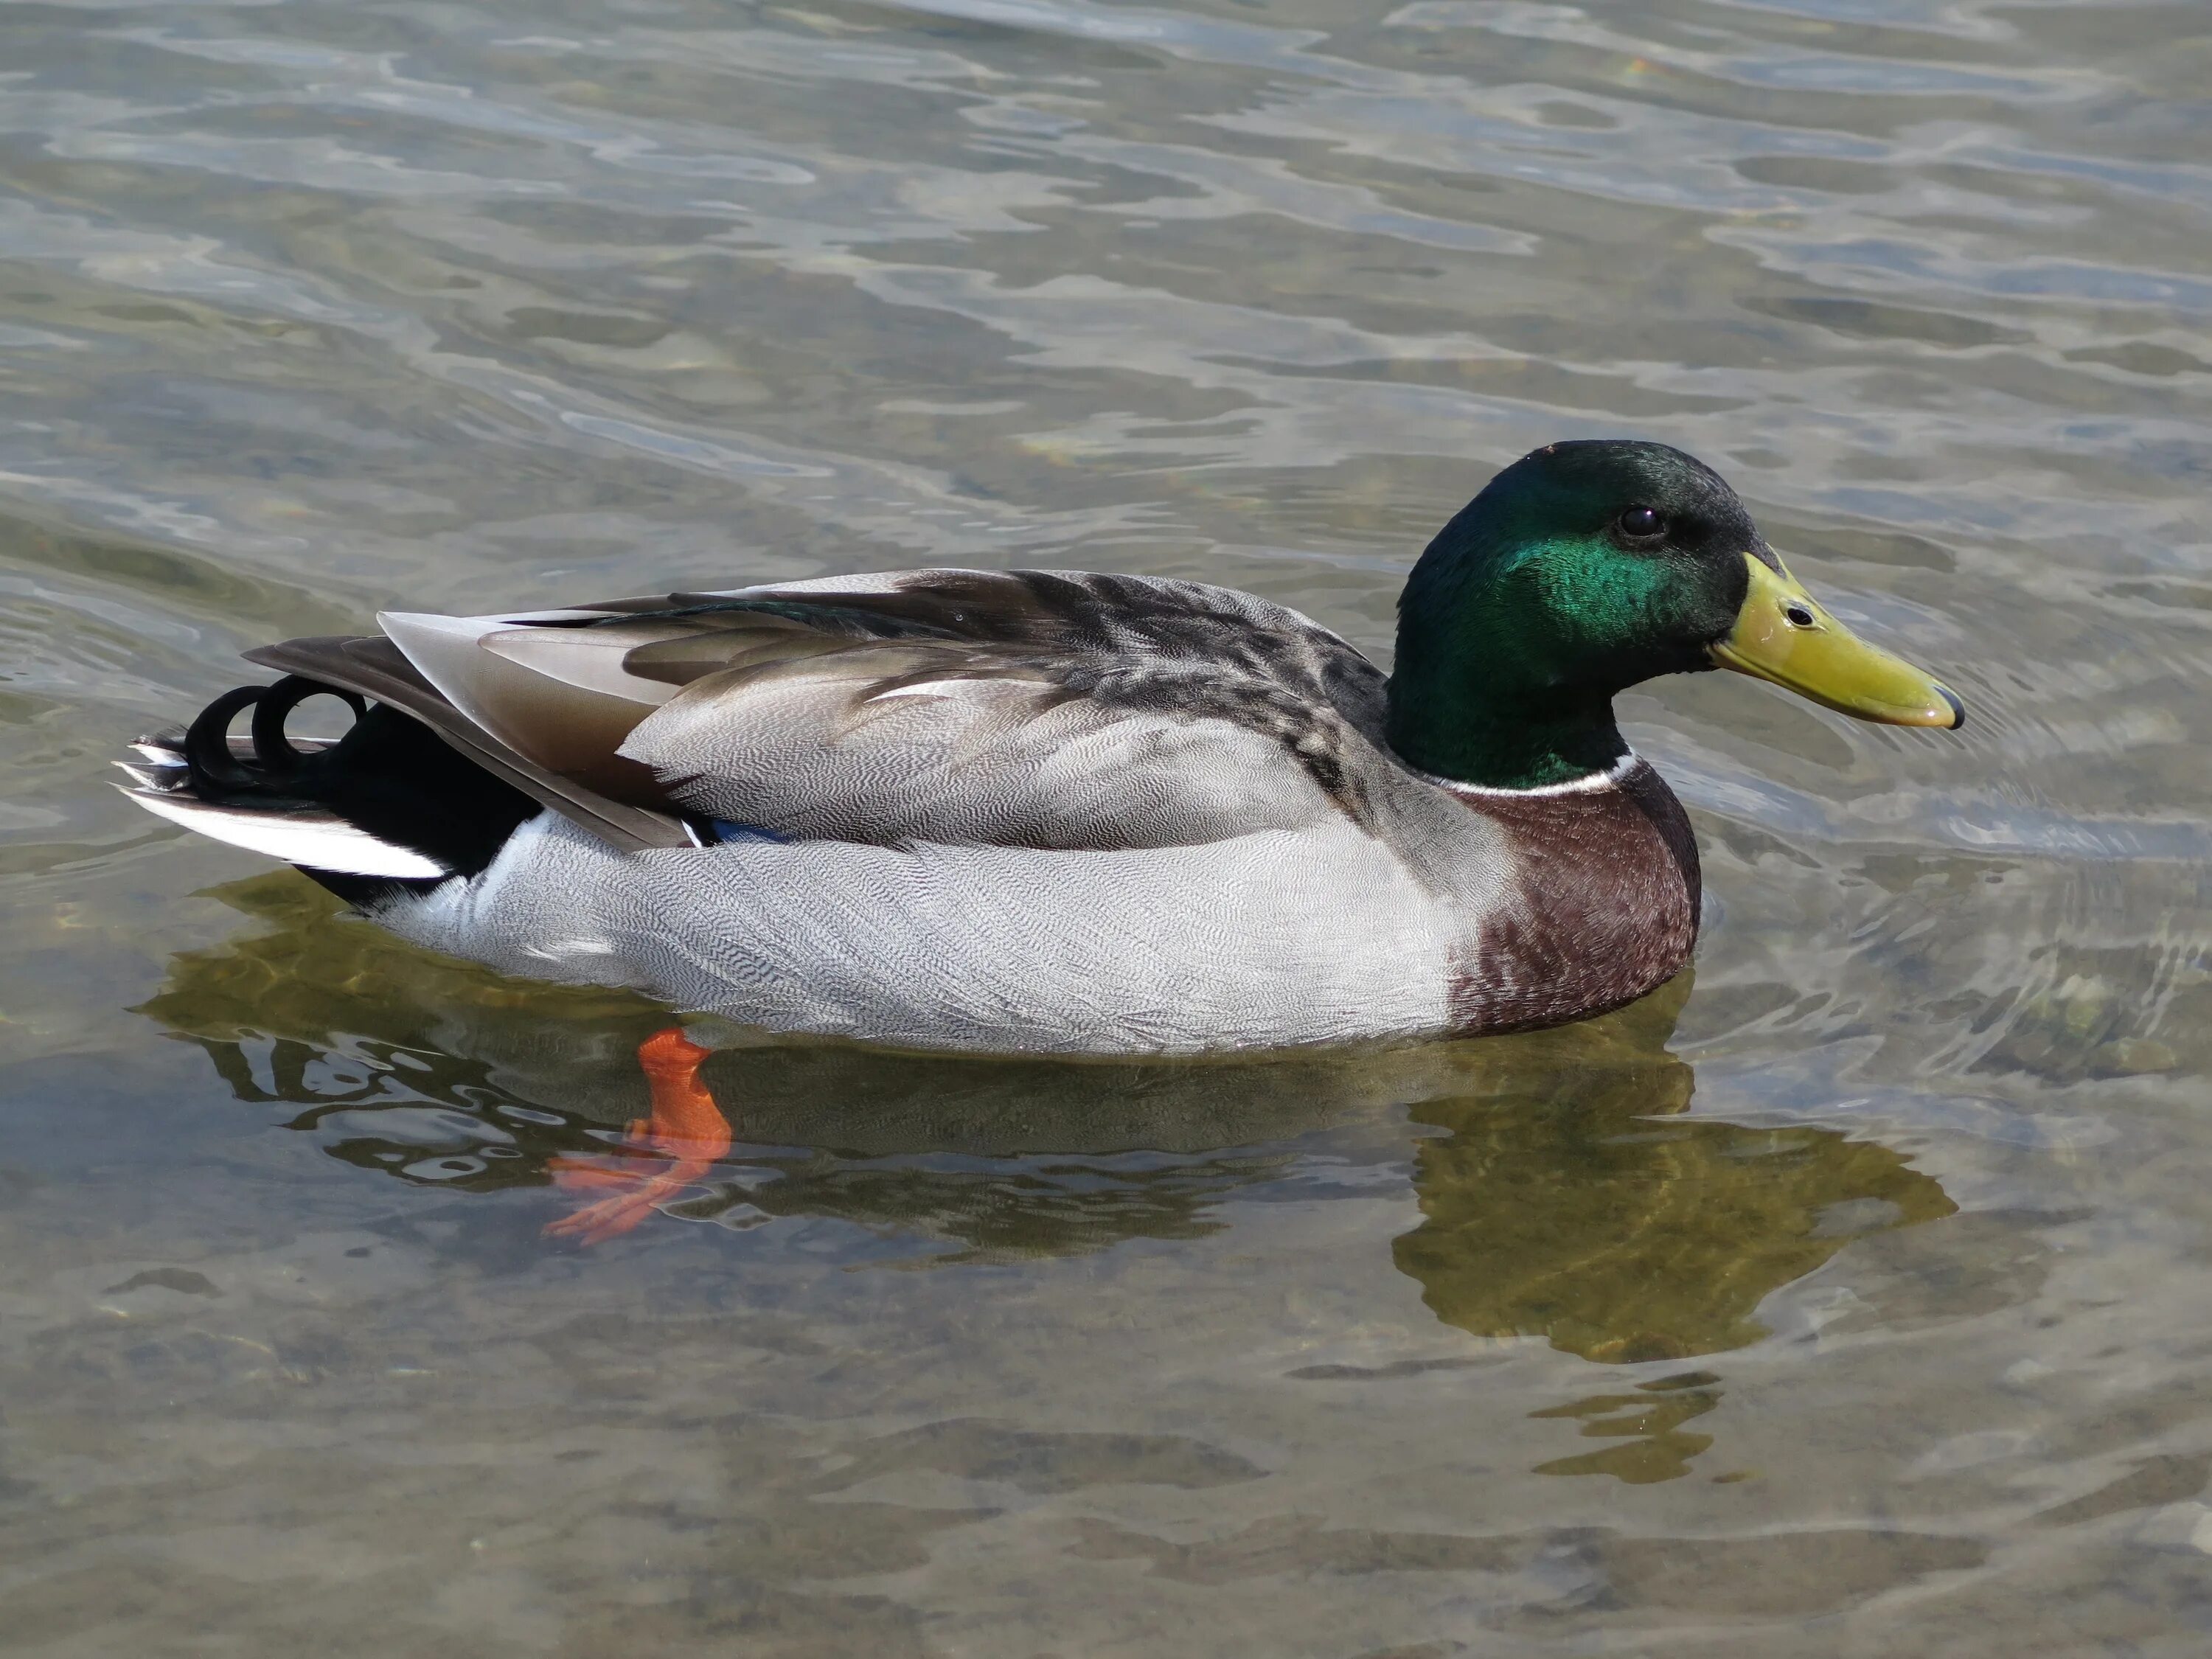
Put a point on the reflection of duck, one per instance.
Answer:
(1570, 1197)
(1055, 811)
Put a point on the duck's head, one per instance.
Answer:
(1585, 567)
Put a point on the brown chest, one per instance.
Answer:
(1604, 906)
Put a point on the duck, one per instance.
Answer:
(1054, 811)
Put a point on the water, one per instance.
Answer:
(1853, 1300)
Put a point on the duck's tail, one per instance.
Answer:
(387, 805)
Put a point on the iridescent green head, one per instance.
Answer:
(1584, 568)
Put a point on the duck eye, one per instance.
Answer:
(1642, 523)
(1799, 615)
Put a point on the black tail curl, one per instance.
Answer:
(390, 774)
(218, 770)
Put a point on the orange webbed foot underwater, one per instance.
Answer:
(687, 1132)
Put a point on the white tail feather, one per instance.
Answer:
(319, 840)
(165, 776)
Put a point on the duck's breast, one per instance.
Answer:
(1601, 908)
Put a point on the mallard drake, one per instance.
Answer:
(1053, 810)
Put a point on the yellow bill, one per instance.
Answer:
(1784, 635)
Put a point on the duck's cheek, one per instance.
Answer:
(1785, 635)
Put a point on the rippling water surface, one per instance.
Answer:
(1855, 1299)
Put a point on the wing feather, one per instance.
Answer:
(1049, 709)
(375, 668)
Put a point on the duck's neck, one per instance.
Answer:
(1454, 726)
(1510, 648)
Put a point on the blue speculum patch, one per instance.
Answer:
(720, 830)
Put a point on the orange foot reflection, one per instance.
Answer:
(687, 1132)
